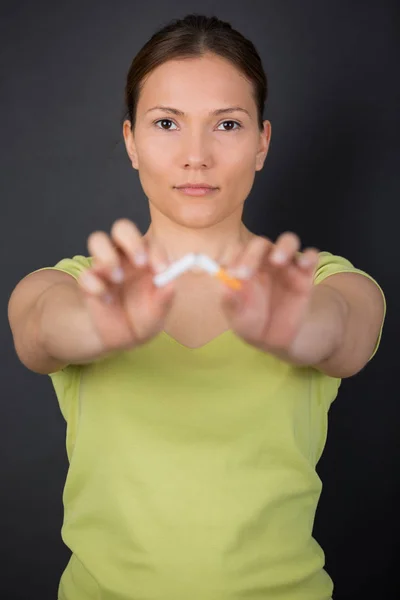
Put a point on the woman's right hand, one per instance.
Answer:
(136, 309)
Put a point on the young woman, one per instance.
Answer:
(196, 413)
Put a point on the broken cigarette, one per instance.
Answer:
(199, 260)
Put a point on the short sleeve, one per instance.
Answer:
(73, 266)
(329, 264)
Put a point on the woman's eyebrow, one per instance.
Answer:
(219, 111)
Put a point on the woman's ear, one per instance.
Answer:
(265, 138)
(130, 144)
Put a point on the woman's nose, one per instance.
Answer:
(196, 151)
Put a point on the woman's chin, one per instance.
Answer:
(197, 216)
(198, 221)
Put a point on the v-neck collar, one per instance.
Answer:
(228, 333)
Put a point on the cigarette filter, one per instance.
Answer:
(214, 269)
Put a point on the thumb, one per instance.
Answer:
(166, 295)
(232, 301)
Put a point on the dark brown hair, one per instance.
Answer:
(190, 37)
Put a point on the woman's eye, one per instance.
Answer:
(232, 122)
(163, 121)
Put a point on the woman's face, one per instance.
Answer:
(223, 150)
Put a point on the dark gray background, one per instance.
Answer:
(332, 176)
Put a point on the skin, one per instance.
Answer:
(278, 309)
(197, 148)
(168, 150)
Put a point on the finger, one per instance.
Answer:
(308, 260)
(285, 249)
(94, 286)
(230, 258)
(130, 241)
(298, 276)
(251, 258)
(158, 257)
(106, 259)
(164, 296)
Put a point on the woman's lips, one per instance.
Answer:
(195, 191)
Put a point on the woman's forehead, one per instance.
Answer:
(196, 84)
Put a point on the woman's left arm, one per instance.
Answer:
(360, 321)
(332, 326)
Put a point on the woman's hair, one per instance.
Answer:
(192, 37)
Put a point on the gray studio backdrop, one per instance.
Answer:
(331, 176)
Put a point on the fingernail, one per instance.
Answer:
(117, 275)
(304, 261)
(242, 272)
(140, 258)
(278, 257)
(91, 283)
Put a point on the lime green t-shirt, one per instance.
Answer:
(192, 471)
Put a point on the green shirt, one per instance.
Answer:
(192, 471)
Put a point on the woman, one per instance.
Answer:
(195, 413)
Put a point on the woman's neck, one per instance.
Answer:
(221, 245)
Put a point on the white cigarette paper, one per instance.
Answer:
(177, 268)
(185, 263)
(207, 264)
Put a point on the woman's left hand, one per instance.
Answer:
(270, 309)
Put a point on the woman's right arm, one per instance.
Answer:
(50, 323)
(57, 320)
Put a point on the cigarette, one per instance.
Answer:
(214, 269)
(177, 268)
(231, 282)
(199, 260)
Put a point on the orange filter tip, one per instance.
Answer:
(232, 282)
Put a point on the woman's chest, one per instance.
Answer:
(196, 316)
